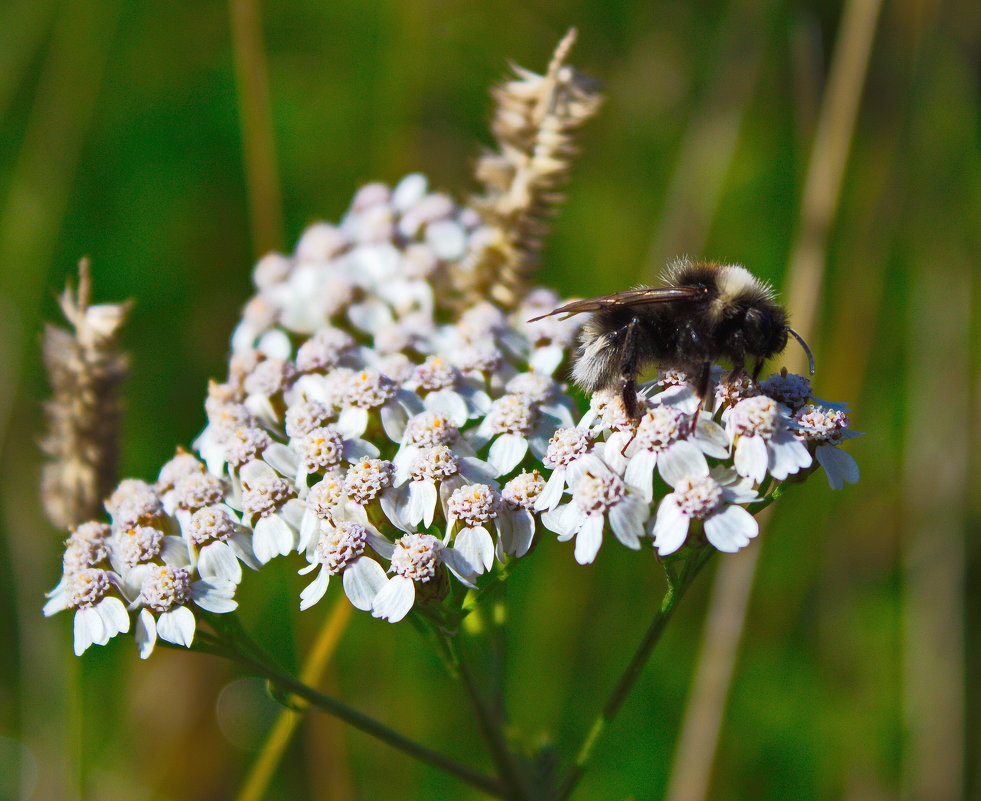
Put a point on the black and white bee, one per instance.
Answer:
(702, 313)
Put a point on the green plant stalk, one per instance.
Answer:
(676, 589)
(508, 769)
(232, 641)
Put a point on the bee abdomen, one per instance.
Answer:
(599, 363)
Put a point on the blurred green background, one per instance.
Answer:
(856, 677)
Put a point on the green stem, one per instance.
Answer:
(510, 772)
(676, 589)
(244, 650)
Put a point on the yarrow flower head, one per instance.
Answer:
(763, 441)
(409, 432)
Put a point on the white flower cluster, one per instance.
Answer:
(405, 447)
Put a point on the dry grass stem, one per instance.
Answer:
(85, 367)
(534, 123)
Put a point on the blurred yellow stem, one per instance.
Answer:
(257, 782)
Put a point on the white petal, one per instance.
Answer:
(751, 458)
(840, 466)
(353, 421)
(395, 506)
(459, 566)
(395, 599)
(551, 495)
(315, 590)
(281, 458)
(275, 344)
(217, 560)
(89, 629)
(448, 404)
(255, 471)
(272, 538)
(477, 471)
(393, 418)
(145, 633)
(589, 539)
(613, 450)
(422, 502)
(114, 616)
(214, 595)
(363, 580)
(546, 360)
(712, 438)
(787, 455)
(670, 527)
(477, 547)
(241, 545)
(564, 520)
(177, 626)
(731, 529)
(56, 602)
(627, 521)
(680, 461)
(520, 525)
(507, 452)
(357, 448)
(640, 473)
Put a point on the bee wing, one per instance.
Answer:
(631, 297)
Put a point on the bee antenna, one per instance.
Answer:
(803, 344)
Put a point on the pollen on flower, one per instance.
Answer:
(821, 425)
(245, 444)
(729, 393)
(86, 587)
(416, 557)
(86, 547)
(134, 502)
(608, 404)
(755, 417)
(271, 269)
(321, 448)
(597, 493)
(660, 427)
(368, 388)
(698, 496)
(225, 414)
(480, 356)
(335, 386)
(137, 545)
(270, 377)
(511, 414)
(367, 478)
(435, 373)
(323, 351)
(165, 588)
(340, 545)
(210, 524)
(427, 429)
(474, 504)
(790, 389)
(182, 465)
(241, 364)
(265, 495)
(536, 387)
(434, 464)
(200, 489)
(523, 490)
(324, 496)
(566, 446)
(304, 416)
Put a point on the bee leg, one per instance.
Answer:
(629, 368)
(757, 369)
(701, 390)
